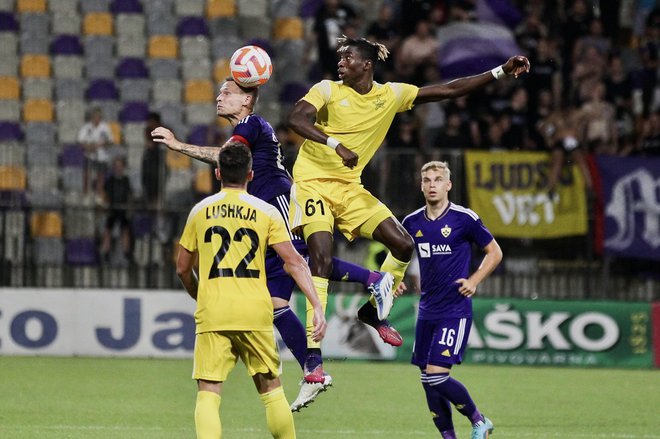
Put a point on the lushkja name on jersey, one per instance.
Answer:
(231, 211)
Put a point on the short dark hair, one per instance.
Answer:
(252, 91)
(234, 162)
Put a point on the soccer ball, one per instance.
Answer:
(250, 66)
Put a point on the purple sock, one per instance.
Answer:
(349, 272)
(292, 332)
(313, 359)
(456, 393)
(440, 409)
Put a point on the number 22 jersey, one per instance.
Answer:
(231, 231)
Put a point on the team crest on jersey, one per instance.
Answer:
(379, 103)
(446, 230)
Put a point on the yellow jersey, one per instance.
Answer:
(231, 231)
(359, 122)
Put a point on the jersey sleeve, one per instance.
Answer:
(189, 237)
(405, 95)
(479, 233)
(277, 231)
(249, 129)
(319, 94)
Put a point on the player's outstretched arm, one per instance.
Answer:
(298, 269)
(301, 120)
(468, 287)
(515, 66)
(184, 269)
(207, 154)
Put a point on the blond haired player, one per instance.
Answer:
(229, 233)
(344, 122)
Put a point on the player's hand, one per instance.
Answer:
(516, 66)
(320, 325)
(400, 290)
(163, 135)
(348, 157)
(466, 288)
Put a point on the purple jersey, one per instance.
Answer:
(444, 250)
(271, 178)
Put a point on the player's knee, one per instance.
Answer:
(320, 263)
(403, 248)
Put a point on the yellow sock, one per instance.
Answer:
(278, 414)
(321, 285)
(396, 267)
(207, 415)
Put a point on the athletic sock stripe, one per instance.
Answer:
(438, 380)
(280, 311)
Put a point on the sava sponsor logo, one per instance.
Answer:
(426, 250)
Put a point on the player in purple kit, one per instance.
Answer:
(272, 183)
(444, 233)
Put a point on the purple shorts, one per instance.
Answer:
(440, 342)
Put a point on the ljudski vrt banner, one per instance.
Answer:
(509, 192)
(631, 202)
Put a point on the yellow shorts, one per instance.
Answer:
(334, 203)
(216, 354)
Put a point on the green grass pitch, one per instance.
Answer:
(130, 398)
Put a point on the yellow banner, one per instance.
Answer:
(509, 192)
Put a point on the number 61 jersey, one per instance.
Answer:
(231, 231)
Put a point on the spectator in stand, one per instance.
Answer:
(598, 122)
(153, 166)
(618, 91)
(118, 196)
(383, 30)
(594, 39)
(452, 135)
(330, 22)
(649, 137)
(546, 74)
(288, 145)
(530, 32)
(416, 51)
(95, 137)
(517, 136)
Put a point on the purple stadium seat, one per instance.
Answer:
(132, 68)
(8, 22)
(126, 7)
(198, 135)
(309, 8)
(13, 199)
(264, 44)
(192, 26)
(73, 156)
(142, 224)
(292, 92)
(102, 89)
(81, 251)
(66, 45)
(134, 112)
(10, 131)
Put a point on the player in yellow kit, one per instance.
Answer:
(344, 123)
(229, 233)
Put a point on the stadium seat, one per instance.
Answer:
(129, 24)
(67, 89)
(132, 68)
(72, 156)
(38, 110)
(175, 160)
(59, 6)
(48, 251)
(115, 127)
(41, 155)
(162, 68)
(223, 47)
(42, 178)
(71, 112)
(220, 8)
(9, 88)
(23, 6)
(137, 89)
(87, 6)
(285, 8)
(68, 66)
(166, 90)
(99, 46)
(163, 46)
(8, 22)
(35, 66)
(161, 23)
(256, 27)
(199, 91)
(10, 131)
(98, 23)
(186, 8)
(200, 113)
(158, 6)
(102, 89)
(10, 110)
(194, 47)
(203, 181)
(134, 112)
(109, 108)
(288, 28)
(100, 68)
(192, 26)
(224, 27)
(13, 178)
(30, 43)
(252, 8)
(12, 154)
(134, 133)
(79, 223)
(66, 45)
(221, 70)
(46, 224)
(81, 251)
(72, 179)
(292, 92)
(196, 69)
(40, 133)
(199, 135)
(131, 46)
(9, 64)
(67, 132)
(66, 23)
(171, 114)
(126, 7)
(8, 47)
(37, 88)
